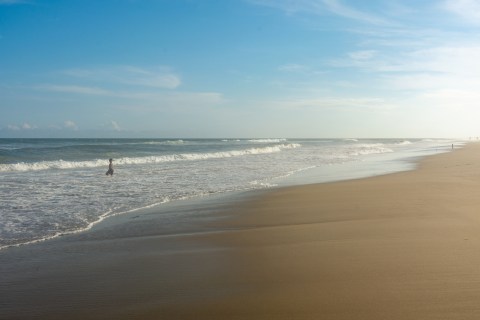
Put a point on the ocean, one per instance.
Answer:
(53, 187)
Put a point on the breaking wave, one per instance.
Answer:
(61, 164)
(267, 140)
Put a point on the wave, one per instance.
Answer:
(168, 142)
(404, 143)
(368, 148)
(61, 164)
(267, 140)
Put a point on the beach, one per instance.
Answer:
(397, 246)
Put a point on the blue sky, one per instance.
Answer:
(239, 68)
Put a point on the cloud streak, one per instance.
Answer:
(138, 100)
(337, 7)
(468, 10)
(74, 89)
(322, 7)
(161, 77)
(333, 103)
(214, 97)
(25, 126)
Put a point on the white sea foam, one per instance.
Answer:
(368, 148)
(43, 199)
(61, 164)
(168, 142)
(262, 184)
(267, 140)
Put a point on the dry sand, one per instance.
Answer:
(399, 246)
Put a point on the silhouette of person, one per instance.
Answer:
(110, 168)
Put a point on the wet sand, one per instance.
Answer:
(398, 246)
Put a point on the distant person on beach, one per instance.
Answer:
(110, 168)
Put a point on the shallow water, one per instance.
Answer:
(50, 187)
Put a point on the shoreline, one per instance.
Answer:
(371, 248)
(364, 166)
(397, 246)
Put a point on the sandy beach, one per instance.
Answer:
(398, 246)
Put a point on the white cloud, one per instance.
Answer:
(159, 77)
(141, 93)
(337, 7)
(321, 7)
(457, 96)
(362, 55)
(174, 101)
(334, 102)
(13, 127)
(74, 89)
(439, 68)
(459, 59)
(468, 10)
(27, 126)
(369, 60)
(143, 100)
(293, 67)
(194, 98)
(24, 126)
(69, 124)
(114, 125)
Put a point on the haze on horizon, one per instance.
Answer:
(239, 68)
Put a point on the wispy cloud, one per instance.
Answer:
(293, 67)
(442, 69)
(114, 125)
(300, 70)
(468, 10)
(159, 77)
(146, 100)
(334, 103)
(337, 7)
(362, 55)
(369, 60)
(69, 124)
(123, 82)
(453, 59)
(461, 59)
(213, 97)
(174, 101)
(13, 127)
(409, 53)
(73, 89)
(24, 126)
(322, 7)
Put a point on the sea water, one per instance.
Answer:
(51, 187)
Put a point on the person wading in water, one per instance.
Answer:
(110, 168)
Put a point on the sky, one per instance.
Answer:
(240, 68)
